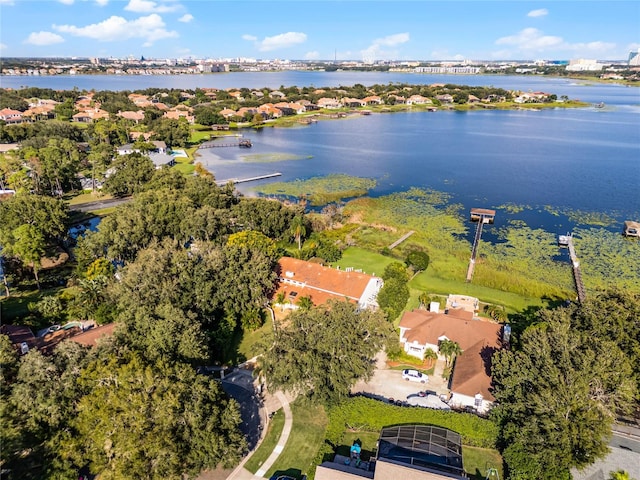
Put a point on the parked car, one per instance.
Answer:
(414, 376)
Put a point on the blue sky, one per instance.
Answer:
(306, 29)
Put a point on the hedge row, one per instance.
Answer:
(365, 414)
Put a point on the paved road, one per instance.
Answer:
(624, 455)
(99, 204)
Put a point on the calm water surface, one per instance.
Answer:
(571, 160)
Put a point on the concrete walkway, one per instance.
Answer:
(241, 473)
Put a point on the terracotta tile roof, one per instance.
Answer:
(92, 336)
(478, 340)
(18, 334)
(319, 282)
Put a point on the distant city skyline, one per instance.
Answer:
(321, 30)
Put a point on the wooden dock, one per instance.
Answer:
(567, 241)
(482, 216)
(222, 183)
(401, 239)
(244, 143)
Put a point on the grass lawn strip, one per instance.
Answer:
(307, 434)
(276, 424)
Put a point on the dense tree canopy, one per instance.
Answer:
(159, 421)
(560, 392)
(325, 350)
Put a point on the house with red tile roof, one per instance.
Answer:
(228, 113)
(328, 103)
(94, 336)
(10, 116)
(299, 278)
(131, 115)
(470, 381)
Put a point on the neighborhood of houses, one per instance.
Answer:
(89, 110)
(421, 452)
(469, 384)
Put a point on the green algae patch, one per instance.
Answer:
(582, 217)
(607, 259)
(321, 190)
(272, 157)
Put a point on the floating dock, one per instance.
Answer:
(567, 241)
(481, 216)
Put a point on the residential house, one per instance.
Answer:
(277, 94)
(415, 452)
(397, 99)
(89, 115)
(228, 113)
(373, 100)
(470, 381)
(299, 278)
(177, 113)
(136, 117)
(269, 110)
(140, 100)
(352, 102)
(10, 116)
(418, 100)
(158, 156)
(330, 103)
(444, 98)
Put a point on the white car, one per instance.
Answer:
(414, 376)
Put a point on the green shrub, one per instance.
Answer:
(365, 414)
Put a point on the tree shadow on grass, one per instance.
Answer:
(288, 474)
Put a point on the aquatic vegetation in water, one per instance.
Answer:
(272, 157)
(607, 259)
(512, 208)
(321, 190)
(581, 217)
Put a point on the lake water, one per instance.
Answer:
(568, 159)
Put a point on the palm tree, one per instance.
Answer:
(450, 349)
(304, 303)
(430, 355)
(280, 298)
(298, 229)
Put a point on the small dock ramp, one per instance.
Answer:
(481, 216)
(567, 241)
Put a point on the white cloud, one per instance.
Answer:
(392, 40)
(633, 47)
(531, 39)
(102, 3)
(541, 12)
(186, 18)
(66, 2)
(315, 55)
(7, 2)
(3, 47)
(148, 6)
(149, 28)
(43, 38)
(249, 38)
(283, 40)
(594, 48)
(376, 52)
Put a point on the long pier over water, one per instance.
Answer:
(481, 216)
(567, 241)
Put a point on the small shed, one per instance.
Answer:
(631, 229)
(483, 214)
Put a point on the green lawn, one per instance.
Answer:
(307, 435)
(477, 461)
(359, 258)
(276, 424)
(88, 197)
(429, 282)
(250, 344)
